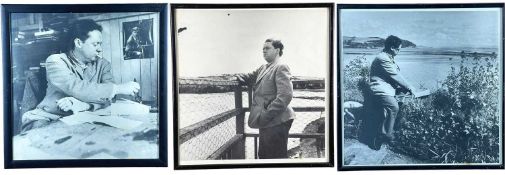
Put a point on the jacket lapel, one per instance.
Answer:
(265, 71)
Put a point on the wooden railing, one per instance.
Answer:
(234, 148)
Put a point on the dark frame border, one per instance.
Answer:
(340, 165)
(330, 6)
(7, 9)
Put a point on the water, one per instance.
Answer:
(426, 67)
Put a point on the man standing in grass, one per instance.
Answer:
(385, 81)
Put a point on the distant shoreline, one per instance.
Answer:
(467, 52)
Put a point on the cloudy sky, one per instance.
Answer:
(478, 27)
(219, 41)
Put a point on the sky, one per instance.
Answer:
(227, 41)
(479, 27)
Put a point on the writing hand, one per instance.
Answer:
(129, 88)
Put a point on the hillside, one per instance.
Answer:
(370, 42)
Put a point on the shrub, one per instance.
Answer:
(458, 123)
(356, 75)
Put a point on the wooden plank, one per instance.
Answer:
(226, 147)
(239, 121)
(154, 67)
(155, 63)
(116, 50)
(150, 77)
(145, 80)
(106, 40)
(115, 16)
(301, 109)
(196, 129)
(294, 135)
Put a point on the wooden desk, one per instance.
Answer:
(89, 141)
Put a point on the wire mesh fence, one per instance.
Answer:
(203, 99)
(203, 145)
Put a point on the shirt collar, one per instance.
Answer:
(77, 62)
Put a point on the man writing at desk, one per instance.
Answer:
(77, 80)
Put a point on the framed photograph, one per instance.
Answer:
(253, 85)
(138, 39)
(420, 86)
(76, 93)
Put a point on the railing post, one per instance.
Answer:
(249, 97)
(238, 151)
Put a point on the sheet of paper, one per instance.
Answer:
(114, 121)
(127, 107)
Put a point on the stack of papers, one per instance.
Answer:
(114, 121)
(127, 107)
(111, 115)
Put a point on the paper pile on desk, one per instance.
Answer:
(88, 117)
(127, 107)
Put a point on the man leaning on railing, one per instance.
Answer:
(270, 110)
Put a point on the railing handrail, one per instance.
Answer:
(209, 81)
(200, 127)
(206, 81)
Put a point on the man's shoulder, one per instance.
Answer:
(382, 57)
(103, 62)
(59, 57)
(282, 66)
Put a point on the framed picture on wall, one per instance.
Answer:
(138, 39)
(253, 85)
(421, 86)
(84, 85)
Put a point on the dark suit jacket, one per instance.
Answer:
(385, 76)
(272, 93)
(65, 78)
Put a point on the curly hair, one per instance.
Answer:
(392, 42)
(80, 29)
(277, 44)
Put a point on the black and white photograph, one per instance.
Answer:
(74, 96)
(252, 85)
(138, 39)
(420, 86)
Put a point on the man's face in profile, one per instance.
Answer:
(135, 31)
(92, 46)
(269, 52)
(396, 50)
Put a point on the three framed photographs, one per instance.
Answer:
(84, 85)
(253, 85)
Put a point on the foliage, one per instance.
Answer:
(356, 75)
(458, 123)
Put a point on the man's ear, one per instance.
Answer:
(78, 43)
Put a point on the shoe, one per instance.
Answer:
(376, 144)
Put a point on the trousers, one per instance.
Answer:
(273, 141)
(379, 121)
(388, 110)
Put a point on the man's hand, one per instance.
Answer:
(129, 88)
(240, 79)
(71, 103)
